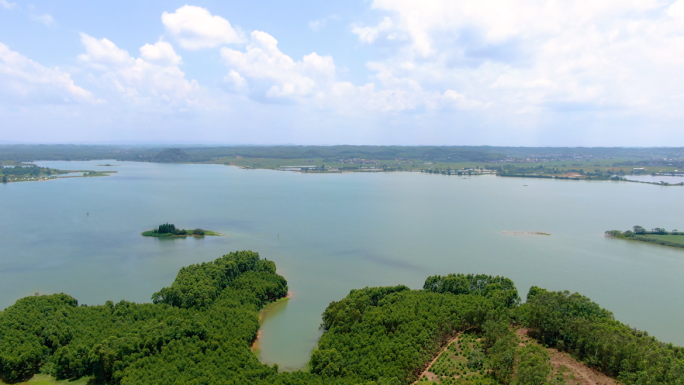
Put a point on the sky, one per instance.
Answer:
(404, 72)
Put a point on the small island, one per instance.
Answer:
(657, 235)
(168, 230)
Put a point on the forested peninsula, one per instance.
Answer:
(32, 173)
(200, 329)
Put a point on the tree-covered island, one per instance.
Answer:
(169, 230)
(657, 235)
(458, 329)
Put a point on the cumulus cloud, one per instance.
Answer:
(136, 80)
(608, 54)
(273, 74)
(27, 81)
(266, 74)
(103, 52)
(160, 52)
(369, 35)
(676, 10)
(196, 28)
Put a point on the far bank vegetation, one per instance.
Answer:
(657, 235)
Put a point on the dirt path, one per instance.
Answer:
(426, 372)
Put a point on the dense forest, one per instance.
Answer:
(637, 156)
(200, 329)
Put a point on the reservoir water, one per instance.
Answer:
(329, 233)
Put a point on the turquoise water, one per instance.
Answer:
(332, 233)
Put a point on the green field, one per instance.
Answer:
(589, 166)
(668, 237)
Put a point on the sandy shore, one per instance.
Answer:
(262, 315)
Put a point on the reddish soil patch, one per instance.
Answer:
(576, 373)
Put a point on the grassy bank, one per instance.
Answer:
(667, 239)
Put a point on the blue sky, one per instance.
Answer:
(444, 72)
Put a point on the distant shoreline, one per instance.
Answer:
(674, 239)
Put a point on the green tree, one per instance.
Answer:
(534, 365)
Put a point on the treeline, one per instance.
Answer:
(574, 324)
(200, 329)
(31, 170)
(28, 153)
(25, 171)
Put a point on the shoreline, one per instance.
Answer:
(55, 177)
(334, 170)
(262, 314)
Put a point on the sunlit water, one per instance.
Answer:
(332, 233)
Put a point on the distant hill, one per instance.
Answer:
(173, 155)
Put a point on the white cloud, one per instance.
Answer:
(25, 80)
(676, 10)
(161, 52)
(235, 83)
(369, 35)
(317, 25)
(611, 54)
(7, 5)
(266, 74)
(195, 28)
(44, 19)
(453, 98)
(275, 75)
(147, 85)
(103, 52)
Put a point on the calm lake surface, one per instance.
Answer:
(332, 233)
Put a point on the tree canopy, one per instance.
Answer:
(200, 330)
